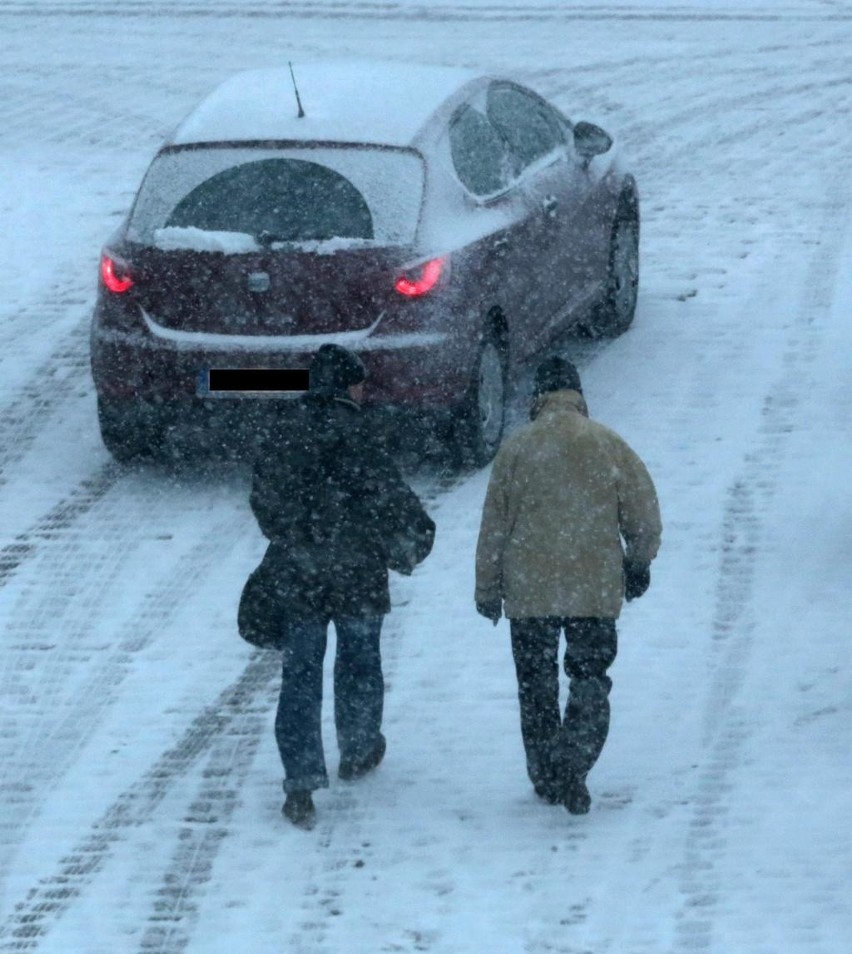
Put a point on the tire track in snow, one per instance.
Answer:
(81, 563)
(45, 735)
(57, 520)
(639, 136)
(206, 823)
(642, 132)
(449, 13)
(58, 113)
(610, 74)
(726, 720)
(50, 385)
(233, 712)
(58, 303)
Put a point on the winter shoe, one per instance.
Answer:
(576, 799)
(351, 769)
(299, 809)
(548, 793)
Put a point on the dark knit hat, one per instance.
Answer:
(335, 369)
(556, 374)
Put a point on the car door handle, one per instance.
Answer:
(550, 204)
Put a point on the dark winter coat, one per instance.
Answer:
(336, 511)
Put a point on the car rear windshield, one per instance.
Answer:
(235, 198)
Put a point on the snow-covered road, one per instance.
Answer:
(140, 785)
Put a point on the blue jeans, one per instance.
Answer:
(359, 690)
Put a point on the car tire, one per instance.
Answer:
(129, 432)
(613, 314)
(481, 419)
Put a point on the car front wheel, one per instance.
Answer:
(614, 313)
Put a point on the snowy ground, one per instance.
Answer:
(140, 787)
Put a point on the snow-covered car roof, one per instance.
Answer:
(354, 101)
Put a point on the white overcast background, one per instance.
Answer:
(139, 780)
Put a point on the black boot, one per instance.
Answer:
(351, 769)
(544, 773)
(299, 809)
(548, 792)
(576, 798)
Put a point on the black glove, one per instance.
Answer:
(637, 579)
(490, 609)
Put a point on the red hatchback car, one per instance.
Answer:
(444, 225)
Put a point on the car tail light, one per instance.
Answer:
(422, 278)
(115, 273)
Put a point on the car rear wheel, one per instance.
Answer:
(129, 432)
(614, 313)
(482, 417)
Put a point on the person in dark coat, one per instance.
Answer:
(338, 515)
(569, 528)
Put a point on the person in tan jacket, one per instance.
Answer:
(570, 525)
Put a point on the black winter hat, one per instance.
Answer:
(335, 369)
(556, 374)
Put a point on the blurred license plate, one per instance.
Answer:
(252, 382)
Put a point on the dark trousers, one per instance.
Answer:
(359, 690)
(558, 749)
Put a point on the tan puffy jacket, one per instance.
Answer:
(564, 493)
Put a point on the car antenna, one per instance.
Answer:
(301, 112)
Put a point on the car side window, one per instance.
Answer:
(480, 156)
(526, 123)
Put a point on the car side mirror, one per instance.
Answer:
(590, 141)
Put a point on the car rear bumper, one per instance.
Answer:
(428, 371)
